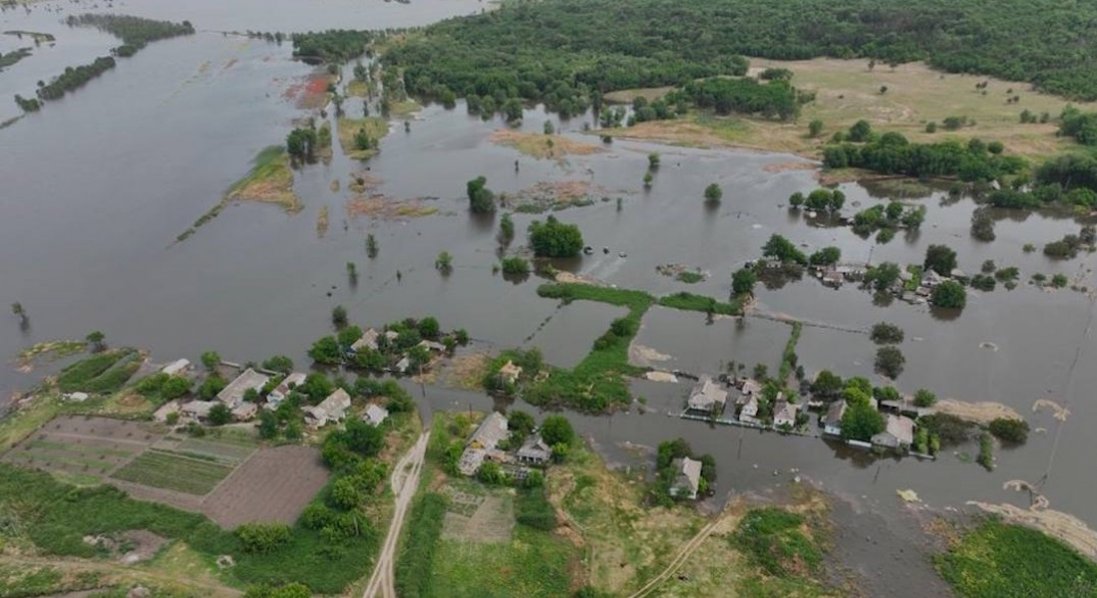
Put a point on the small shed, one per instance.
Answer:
(375, 414)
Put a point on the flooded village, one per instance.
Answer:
(688, 404)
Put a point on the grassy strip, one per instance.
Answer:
(534, 564)
(375, 128)
(691, 302)
(999, 559)
(416, 558)
(56, 517)
(596, 384)
(173, 472)
(104, 372)
(788, 357)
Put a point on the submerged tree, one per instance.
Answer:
(481, 199)
(444, 262)
(371, 246)
(339, 316)
(95, 341)
(18, 311)
(713, 193)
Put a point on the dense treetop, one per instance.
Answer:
(528, 48)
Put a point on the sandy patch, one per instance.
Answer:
(656, 376)
(379, 206)
(982, 412)
(639, 353)
(569, 278)
(789, 166)
(541, 146)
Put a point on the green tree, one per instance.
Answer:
(653, 161)
(429, 328)
(556, 429)
(481, 199)
(219, 414)
(515, 266)
(924, 398)
(339, 316)
(211, 359)
(890, 361)
(742, 281)
(326, 351)
(444, 262)
(1009, 430)
(506, 229)
(883, 276)
(713, 193)
(268, 424)
(175, 387)
(826, 256)
(941, 259)
(554, 238)
(815, 128)
(949, 294)
(263, 537)
(783, 250)
(861, 421)
(95, 341)
(860, 131)
(796, 199)
(885, 333)
(279, 363)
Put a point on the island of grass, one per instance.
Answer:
(999, 559)
(13, 57)
(360, 137)
(597, 384)
(269, 181)
(540, 146)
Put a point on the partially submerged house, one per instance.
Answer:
(832, 421)
(330, 410)
(784, 414)
(898, 434)
(485, 439)
(749, 411)
(707, 397)
(368, 340)
(534, 451)
(432, 346)
(687, 480)
(375, 415)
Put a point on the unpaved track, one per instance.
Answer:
(405, 481)
(680, 558)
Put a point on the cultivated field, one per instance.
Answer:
(478, 516)
(223, 475)
(173, 472)
(275, 484)
(82, 450)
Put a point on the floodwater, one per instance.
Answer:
(96, 187)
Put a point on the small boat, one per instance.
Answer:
(605, 250)
(588, 250)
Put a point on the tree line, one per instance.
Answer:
(572, 48)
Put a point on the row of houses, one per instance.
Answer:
(332, 409)
(484, 445)
(710, 398)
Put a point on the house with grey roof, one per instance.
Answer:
(330, 410)
(281, 392)
(784, 414)
(707, 397)
(687, 480)
(534, 451)
(233, 394)
(899, 433)
(832, 422)
(485, 439)
(375, 414)
(368, 340)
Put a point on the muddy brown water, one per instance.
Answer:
(97, 186)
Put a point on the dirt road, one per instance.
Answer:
(405, 481)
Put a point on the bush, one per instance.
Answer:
(481, 199)
(949, 294)
(1009, 430)
(924, 398)
(884, 333)
(890, 361)
(554, 238)
(515, 266)
(263, 537)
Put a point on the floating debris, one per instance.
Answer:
(1057, 411)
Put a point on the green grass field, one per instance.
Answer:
(533, 564)
(999, 560)
(173, 472)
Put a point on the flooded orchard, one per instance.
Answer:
(97, 186)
